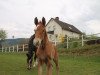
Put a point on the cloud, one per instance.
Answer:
(17, 16)
(80, 13)
(17, 30)
(94, 25)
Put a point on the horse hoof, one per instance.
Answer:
(28, 68)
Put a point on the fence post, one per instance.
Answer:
(67, 42)
(23, 48)
(13, 48)
(17, 48)
(2, 49)
(82, 41)
(9, 49)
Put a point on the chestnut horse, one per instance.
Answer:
(46, 51)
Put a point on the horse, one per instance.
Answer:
(46, 51)
(31, 49)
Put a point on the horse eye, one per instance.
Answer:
(43, 31)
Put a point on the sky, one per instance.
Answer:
(17, 16)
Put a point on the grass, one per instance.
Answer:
(87, 50)
(15, 64)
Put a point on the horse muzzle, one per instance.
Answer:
(37, 42)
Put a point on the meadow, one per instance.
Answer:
(15, 64)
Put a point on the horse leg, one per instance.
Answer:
(29, 61)
(40, 67)
(57, 65)
(28, 64)
(49, 67)
(35, 61)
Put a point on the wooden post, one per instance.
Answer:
(67, 42)
(2, 49)
(23, 48)
(13, 48)
(17, 48)
(9, 49)
(82, 41)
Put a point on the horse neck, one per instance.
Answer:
(46, 38)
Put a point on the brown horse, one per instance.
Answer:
(46, 51)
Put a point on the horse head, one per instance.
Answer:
(40, 32)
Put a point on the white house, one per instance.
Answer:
(57, 29)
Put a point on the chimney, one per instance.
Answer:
(56, 18)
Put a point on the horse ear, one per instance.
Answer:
(43, 21)
(36, 21)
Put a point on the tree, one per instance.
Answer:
(3, 34)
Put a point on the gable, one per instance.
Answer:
(52, 26)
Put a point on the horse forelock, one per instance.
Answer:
(36, 27)
(39, 24)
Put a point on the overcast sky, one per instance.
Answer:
(17, 16)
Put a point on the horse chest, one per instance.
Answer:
(41, 54)
(48, 52)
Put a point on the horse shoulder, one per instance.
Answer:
(51, 49)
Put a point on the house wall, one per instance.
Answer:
(70, 34)
(52, 25)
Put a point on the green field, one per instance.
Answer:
(15, 64)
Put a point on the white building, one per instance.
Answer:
(57, 29)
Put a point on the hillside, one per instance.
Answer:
(10, 42)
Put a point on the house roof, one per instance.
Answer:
(66, 26)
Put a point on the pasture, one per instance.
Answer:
(15, 64)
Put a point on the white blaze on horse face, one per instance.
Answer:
(36, 28)
(36, 41)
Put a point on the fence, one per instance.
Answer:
(67, 43)
(16, 48)
(80, 42)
